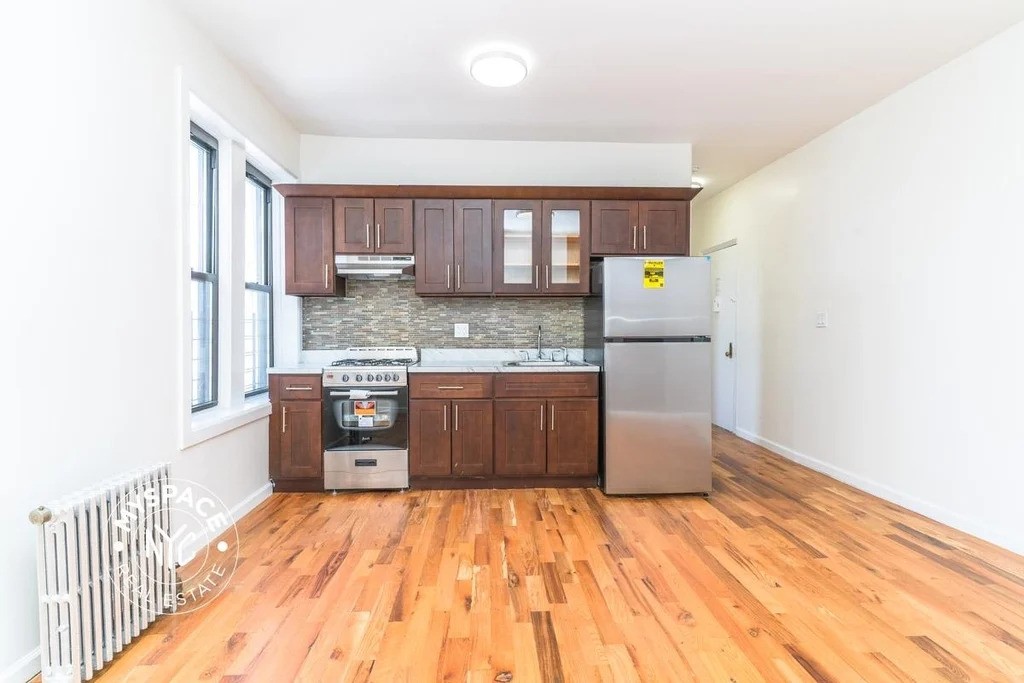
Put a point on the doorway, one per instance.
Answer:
(724, 275)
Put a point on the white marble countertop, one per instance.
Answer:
(477, 366)
(297, 370)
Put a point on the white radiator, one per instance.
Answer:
(104, 575)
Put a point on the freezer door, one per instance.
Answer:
(657, 411)
(682, 308)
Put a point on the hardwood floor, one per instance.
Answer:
(783, 574)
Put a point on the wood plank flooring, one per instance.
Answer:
(782, 575)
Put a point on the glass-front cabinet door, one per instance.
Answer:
(517, 240)
(566, 247)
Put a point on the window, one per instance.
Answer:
(202, 223)
(259, 316)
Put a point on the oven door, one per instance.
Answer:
(375, 418)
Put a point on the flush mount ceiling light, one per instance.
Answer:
(498, 69)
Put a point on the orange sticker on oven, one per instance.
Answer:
(366, 408)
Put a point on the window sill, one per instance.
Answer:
(212, 423)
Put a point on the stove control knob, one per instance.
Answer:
(388, 378)
(344, 378)
(359, 378)
(380, 378)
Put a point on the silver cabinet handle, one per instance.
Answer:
(645, 238)
(458, 276)
(552, 425)
(447, 276)
(450, 388)
(456, 417)
(327, 276)
(445, 417)
(296, 387)
(547, 277)
(378, 235)
(284, 419)
(536, 277)
(542, 417)
(634, 238)
(368, 245)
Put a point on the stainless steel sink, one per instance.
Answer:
(541, 363)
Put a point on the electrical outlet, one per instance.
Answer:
(821, 320)
(461, 330)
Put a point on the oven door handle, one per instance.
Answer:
(367, 394)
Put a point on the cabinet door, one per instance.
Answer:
(472, 438)
(353, 232)
(434, 228)
(614, 228)
(473, 257)
(572, 436)
(520, 442)
(566, 247)
(665, 228)
(392, 226)
(430, 438)
(295, 450)
(517, 256)
(308, 247)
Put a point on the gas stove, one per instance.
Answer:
(376, 366)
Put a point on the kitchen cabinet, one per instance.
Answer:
(453, 246)
(541, 247)
(472, 438)
(545, 437)
(373, 226)
(451, 427)
(572, 436)
(309, 248)
(628, 228)
(430, 441)
(520, 443)
(296, 451)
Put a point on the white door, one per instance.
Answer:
(723, 335)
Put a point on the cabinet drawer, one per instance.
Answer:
(546, 385)
(450, 385)
(295, 388)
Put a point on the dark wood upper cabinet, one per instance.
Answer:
(572, 436)
(309, 247)
(615, 228)
(624, 228)
(430, 438)
(665, 228)
(517, 247)
(565, 247)
(295, 450)
(393, 226)
(472, 438)
(353, 229)
(520, 438)
(434, 228)
(472, 237)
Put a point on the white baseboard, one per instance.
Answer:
(249, 503)
(23, 669)
(1005, 538)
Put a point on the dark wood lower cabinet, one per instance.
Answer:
(472, 438)
(520, 446)
(572, 436)
(430, 438)
(295, 451)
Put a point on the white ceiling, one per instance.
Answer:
(745, 81)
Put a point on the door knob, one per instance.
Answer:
(728, 352)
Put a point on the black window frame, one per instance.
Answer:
(261, 179)
(200, 137)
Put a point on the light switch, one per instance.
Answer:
(716, 304)
(821, 320)
(461, 330)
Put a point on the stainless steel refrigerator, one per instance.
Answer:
(648, 325)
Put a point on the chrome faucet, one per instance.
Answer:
(540, 349)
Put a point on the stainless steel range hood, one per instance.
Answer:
(374, 267)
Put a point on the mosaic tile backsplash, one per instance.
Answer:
(389, 312)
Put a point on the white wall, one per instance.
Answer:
(91, 264)
(492, 162)
(905, 223)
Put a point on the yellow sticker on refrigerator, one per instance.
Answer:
(654, 274)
